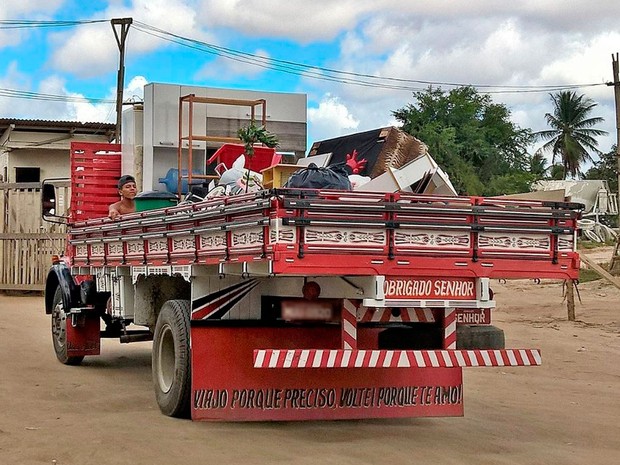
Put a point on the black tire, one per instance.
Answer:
(470, 337)
(59, 331)
(171, 359)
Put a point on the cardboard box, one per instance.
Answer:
(420, 176)
(277, 175)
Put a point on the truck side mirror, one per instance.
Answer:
(50, 208)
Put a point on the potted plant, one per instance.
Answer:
(253, 134)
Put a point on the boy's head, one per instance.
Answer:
(124, 180)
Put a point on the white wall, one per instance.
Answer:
(4, 164)
(53, 163)
(45, 150)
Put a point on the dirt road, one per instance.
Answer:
(103, 412)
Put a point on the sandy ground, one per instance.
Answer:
(103, 412)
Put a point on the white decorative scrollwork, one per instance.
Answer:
(184, 243)
(158, 245)
(135, 247)
(115, 249)
(514, 242)
(214, 241)
(247, 238)
(314, 235)
(428, 239)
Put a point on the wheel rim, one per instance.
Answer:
(59, 325)
(165, 359)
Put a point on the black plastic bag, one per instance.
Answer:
(313, 177)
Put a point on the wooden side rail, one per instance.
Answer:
(293, 225)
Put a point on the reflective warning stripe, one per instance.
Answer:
(316, 358)
(449, 327)
(349, 325)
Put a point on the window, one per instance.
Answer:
(27, 174)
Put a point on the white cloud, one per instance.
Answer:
(322, 20)
(134, 91)
(227, 69)
(92, 50)
(300, 20)
(482, 42)
(33, 9)
(71, 105)
(105, 112)
(481, 45)
(330, 119)
(32, 108)
(585, 61)
(17, 9)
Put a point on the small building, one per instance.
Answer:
(32, 150)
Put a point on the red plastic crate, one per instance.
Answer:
(263, 157)
(95, 169)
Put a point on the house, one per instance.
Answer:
(32, 150)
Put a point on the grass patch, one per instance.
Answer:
(586, 275)
(589, 245)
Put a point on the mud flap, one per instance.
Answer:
(83, 335)
(227, 386)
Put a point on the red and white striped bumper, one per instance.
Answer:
(317, 358)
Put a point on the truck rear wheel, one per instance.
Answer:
(59, 331)
(171, 359)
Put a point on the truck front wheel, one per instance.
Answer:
(59, 331)
(171, 359)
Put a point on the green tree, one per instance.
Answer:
(253, 134)
(606, 168)
(470, 137)
(556, 171)
(539, 165)
(573, 134)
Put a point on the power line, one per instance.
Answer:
(301, 69)
(330, 74)
(262, 62)
(22, 94)
(29, 24)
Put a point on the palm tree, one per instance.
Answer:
(539, 166)
(572, 136)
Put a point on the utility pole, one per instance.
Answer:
(615, 257)
(124, 24)
(616, 84)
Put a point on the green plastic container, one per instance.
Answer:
(154, 199)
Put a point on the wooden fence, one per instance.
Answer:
(27, 243)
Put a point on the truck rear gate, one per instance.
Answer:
(269, 372)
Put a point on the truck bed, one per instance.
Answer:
(322, 232)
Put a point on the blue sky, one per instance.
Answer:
(478, 42)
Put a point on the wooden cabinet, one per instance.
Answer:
(277, 175)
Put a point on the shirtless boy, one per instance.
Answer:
(127, 190)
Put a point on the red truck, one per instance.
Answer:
(296, 304)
